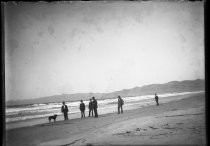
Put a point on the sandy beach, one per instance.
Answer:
(69, 53)
(175, 122)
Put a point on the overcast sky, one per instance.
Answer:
(74, 47)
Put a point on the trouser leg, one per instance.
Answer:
(118, 109)
(83, 114)
(65, 116)
(95, 111)
(157, 102)
(121, 109)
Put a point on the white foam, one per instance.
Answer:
(44, 110)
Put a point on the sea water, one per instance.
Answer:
(35, 111)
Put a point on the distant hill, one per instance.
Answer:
(174, 86)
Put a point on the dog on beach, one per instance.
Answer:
(52, 117)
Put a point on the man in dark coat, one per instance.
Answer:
(82, 109)
(64, 110)
(120, 104)
(90, 108)
(95, 106)
(156, 99)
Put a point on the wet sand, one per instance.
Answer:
(175, 122)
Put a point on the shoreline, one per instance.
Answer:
(44, 120)
(176, 122)
(44, 110)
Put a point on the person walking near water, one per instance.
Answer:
(90, 108)
(95, 106)
(64, 110)
(82, 109)
(156, 99)
(120, 104)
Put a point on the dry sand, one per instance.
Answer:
(179, 122)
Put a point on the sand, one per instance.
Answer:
(175, 122)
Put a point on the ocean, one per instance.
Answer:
(35, 111)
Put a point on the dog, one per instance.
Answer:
(52, 117)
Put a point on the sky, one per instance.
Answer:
(81, 47)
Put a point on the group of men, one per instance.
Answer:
(93, 105)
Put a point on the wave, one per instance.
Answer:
(43, 110)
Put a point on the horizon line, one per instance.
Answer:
(102, 92)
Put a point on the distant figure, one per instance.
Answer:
(120, 104)
(64, 110)
(95, 106)
(156, 99)
(82, 109)
(90, 108)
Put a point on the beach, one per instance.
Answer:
(176, 121)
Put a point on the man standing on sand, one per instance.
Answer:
(64, 110)
(95, 106)
(120, 104)
(156, 99)
(90, 108)
(82, 109)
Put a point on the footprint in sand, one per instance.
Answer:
(173, 126)
(123, 133)
(152, 127)
(139, 129)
